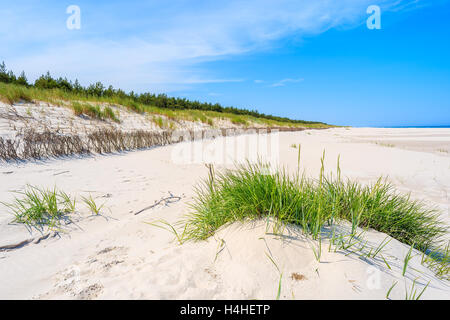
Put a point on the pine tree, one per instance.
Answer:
(11, 77)
(22, 79)
(3, 73)
(77, 87)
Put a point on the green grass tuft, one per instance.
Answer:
(95, 112)
(14, 93)
(251, 192)
(110, 114)
(37, 206)
(92, 205)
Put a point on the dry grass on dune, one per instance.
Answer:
(48, 144)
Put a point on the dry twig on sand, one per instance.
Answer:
(166, 200)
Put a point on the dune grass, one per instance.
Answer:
(39, 206)
(251, 192)
(92, 205)
(95, 112)
(12, 93)
(439, 261)
(32, 144)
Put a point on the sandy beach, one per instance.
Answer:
(119, 255)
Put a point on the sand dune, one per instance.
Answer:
(119, 256)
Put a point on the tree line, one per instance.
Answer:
(97, 89)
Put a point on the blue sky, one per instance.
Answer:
(313, 60)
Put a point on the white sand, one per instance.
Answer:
(118, 256)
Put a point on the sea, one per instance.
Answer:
(416, 127)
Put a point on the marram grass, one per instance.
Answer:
(251, 192)
(95, 112)
(39, 206)
(12, 93)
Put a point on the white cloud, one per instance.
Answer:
(283, 82)
(162, 49)
(214, 94)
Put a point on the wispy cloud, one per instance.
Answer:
(283, 82)
(194, 81)
(406, 5)
(214, 94)
(159, 46)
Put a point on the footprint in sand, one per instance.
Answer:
(71, 283)
(90, 292)
(107, 258)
